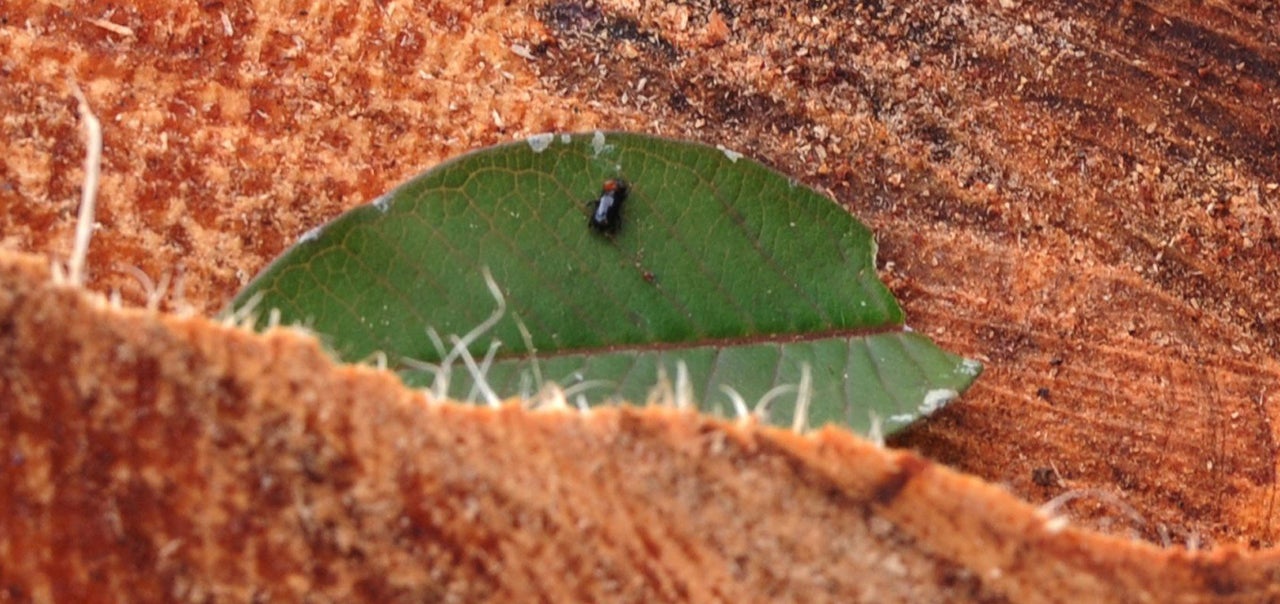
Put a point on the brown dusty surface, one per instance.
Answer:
(1082, 194)
(149, 457)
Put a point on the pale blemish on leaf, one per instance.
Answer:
(540, 142)
(733, 156)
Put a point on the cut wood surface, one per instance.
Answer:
(154, 458)
(1082, 194)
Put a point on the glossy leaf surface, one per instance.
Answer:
(720, 262)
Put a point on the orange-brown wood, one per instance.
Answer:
(1082, 194)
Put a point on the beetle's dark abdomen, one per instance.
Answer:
(606, 212)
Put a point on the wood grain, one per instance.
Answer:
(156, 458)
(1083, 194)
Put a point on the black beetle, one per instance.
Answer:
(606, 212)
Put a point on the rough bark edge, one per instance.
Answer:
(158, 457)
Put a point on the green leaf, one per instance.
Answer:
(721, 265)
